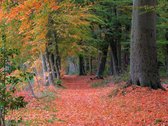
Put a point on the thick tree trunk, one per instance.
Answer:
(102, 61)
(81, 65)
(143, 64)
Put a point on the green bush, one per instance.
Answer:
(8, 82)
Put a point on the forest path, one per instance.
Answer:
(76, 82)
(81, 105)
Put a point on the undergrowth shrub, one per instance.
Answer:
(8, 82)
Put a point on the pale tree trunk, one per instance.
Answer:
(143, 62)
(44, 69)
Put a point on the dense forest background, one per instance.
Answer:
(76, 37)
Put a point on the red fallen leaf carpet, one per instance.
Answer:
(81, 105)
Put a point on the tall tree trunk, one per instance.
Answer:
(111, 63)
(57, 66)
(166, 36)
(87, 64)
(143, 64)
(102, 61)
(51, 61)
(57, 58)
(44, 69)
(90, 65)
(81, 65)
(50, 78)
(119, 56)
(114, 55)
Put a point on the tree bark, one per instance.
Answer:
(51, 61)
(81, 65)
(90, 65)
(114, 55)
(111, 63)
(53, 51)
(44, 69)
(50, 79)
(143, 62)
(102, 61)
(166, 36)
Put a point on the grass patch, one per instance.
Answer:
(53, 119)
(102, 83)
(50, 96)
(13, 122)
(157, 121)
(122, 77)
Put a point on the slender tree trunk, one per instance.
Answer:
(114, 54)
(51, 61)
(90, 65)
(81, 65)
(119, 56)
(44, 69)
(57, 58)
(143, 64)
(166, 58)
(102, 61)
(166, 36)
(50, 78)
(53, 51)
(57, 66)
(2, 117)
(111, 63)
(87, 64)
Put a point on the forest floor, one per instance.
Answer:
(79, 104)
